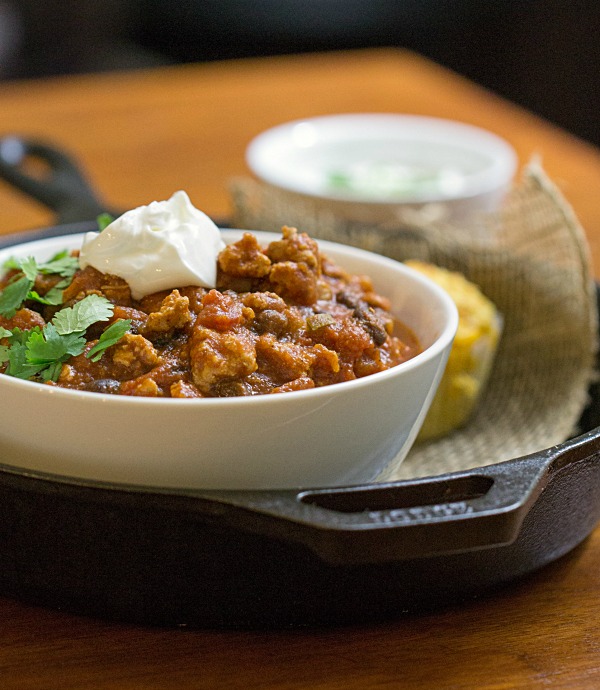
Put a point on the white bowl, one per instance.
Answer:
(345, 433)
(373, 167)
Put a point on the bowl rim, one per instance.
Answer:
(444, 338)
(503, 157)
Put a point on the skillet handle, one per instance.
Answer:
(434, 516)
(61, 186)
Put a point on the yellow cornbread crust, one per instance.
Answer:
(472, 354)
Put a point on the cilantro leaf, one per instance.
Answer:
(111, 335)
(12, 263)
(63, 264)
(53, 297)
(13, 296)
(20, 336)
(29, 267)
(63, 337)
(104, 220)
(40, 353)
(26, 265)
(51, 372)
(48, 346)
(4, 349)
(82, 314)
(18, 366)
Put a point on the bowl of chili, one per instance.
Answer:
(301, 435)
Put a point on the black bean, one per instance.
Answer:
(109, 386)
(269, 321)
(365, 314)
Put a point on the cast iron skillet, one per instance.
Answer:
(279, 558)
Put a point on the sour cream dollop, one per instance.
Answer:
(161, 246)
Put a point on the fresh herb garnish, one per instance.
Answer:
(82, 314)
(111, 336)
(47, 349)
(63, 264)
(4, 349)
(13, 295)
(29, 267)
(15, 355)
(20, 289)
(41, 352)
(104, 220)
(53, 297)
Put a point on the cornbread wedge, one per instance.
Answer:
(472, 354)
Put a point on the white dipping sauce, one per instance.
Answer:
(161, 246)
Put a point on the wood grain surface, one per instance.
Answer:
(141, 136)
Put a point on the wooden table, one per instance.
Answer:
(143, 135)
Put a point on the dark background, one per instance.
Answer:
(542, 54)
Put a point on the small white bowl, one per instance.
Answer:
(345, 433)
(373, 167)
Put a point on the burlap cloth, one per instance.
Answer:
(531, 259)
